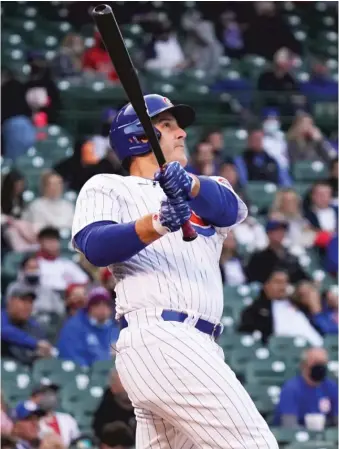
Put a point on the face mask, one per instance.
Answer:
(271, 126)
(95, 322)
(318, 372)
(48, 402)
(32, 278)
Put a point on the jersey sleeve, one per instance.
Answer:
(98, 200)
(242, 208)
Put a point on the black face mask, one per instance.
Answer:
(318, 372)
(32, 279)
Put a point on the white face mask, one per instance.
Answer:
(95, 322)
(271, 126)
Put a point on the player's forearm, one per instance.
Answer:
(105, 243)
(213, 202)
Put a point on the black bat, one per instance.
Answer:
(111, 36)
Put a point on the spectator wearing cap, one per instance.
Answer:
(45, 397)
(273, 313)
(87, 336)
(75, 298)
(262, 263)
(50, 209)
(21, 336)
(56, 272)
(26, 418)
(29, 278)
(310, 391)
(114, 408)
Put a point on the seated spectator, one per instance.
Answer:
(231, 35)
(251, 233)
(96, 60)
(75, 298)
(87, 336)
(17, 129)
(216, 139)
(306, 142)
(321, 215)
(287, 207)
(115, 407)
(231, 265)
(262, 263)
(29, 278)
(42, 92)
(323, 313)
(68, 62)
(45, 396)
(201, 46)
(203, 161)
(272, 313)
(311, 391)
(117, 435)
(56, 272)
(6, 422)
(331, 256)
(26, 418)
(255, 164)
(320, 85)
(164, 50)
(19, 234)
(333, 181)
(50, 209)
(21, 337)
(274, 143)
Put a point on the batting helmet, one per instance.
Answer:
(127, 136)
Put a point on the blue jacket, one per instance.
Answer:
(85, 343)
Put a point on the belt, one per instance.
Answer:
(214, 330)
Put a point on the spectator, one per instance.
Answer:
(86, 337)
(164, 50)
(255, 164)
(19, 234)
(68, 62)
(231, 265)
(75, 298)
(17, 130)
(305, 141)
(201, 47)
(274, 143)
(272, 313)
(26, 425)
(321, 215)
(231, 35)
(216, 139)
(50, 209)
(42, 92)
(252, 234)
(287, 207)
(203, 161)
(115, 407)
(322, 313)
(308, 392)
(21, 336)
(333, 181)
(262, 263)
(331, 256)
(117, 435)
(6, 422)
(64, 425)
(97, 61)
(29, 278)
(56, 272)
(320, 86)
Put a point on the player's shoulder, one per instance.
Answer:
(103, 181)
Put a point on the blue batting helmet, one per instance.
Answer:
(127, 136)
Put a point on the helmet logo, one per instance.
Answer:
(166, 100)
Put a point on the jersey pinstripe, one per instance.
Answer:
(169, 273)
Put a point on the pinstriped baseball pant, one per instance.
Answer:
(183, 392)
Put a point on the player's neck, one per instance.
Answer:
(144, 166)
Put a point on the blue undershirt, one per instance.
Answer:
(106, 242)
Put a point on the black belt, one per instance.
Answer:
(214, 330)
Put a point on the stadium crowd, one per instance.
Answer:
(58, 312)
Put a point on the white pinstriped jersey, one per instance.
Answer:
(169, 273)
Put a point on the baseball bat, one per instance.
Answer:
(111, 36)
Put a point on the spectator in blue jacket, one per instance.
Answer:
(308, 392)
(87, 336)
(21, 336)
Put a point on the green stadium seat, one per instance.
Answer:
(309, 171)
(285, 436)
(102, 368)
(10, 265)
(235, 141)
(57, 371)
(268, 372)
(261, 194)
(234, 342)
(11, 369)
(238, 293)
(286, 346)
(331, 434)
(240, 356)
(312, 445)
(331, 343)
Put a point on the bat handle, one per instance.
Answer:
(188, 232)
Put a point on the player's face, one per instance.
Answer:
(172, 139)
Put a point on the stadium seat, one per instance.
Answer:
(287, 348)
(331, 343)
(260, 194)
(309, 171)
(285, 436)
(312, 445)
(237, 341)
(10, 266)
(268, 372)
(331, 434)
(102, 368)
(57, 371)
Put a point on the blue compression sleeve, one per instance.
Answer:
(106, 242)
(215, 203)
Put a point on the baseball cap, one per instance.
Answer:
(99, 294)
(272, 225)
(21, 291)
(27, 409)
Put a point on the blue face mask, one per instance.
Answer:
(105, 324)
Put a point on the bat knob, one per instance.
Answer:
(102, 10)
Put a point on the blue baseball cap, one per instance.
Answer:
(26, 409)
(273, 225)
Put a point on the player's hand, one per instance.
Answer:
(175, 181)
(173, 213)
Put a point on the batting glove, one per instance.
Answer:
(175, 181)
(173, 213)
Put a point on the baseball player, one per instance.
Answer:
(169, 292)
